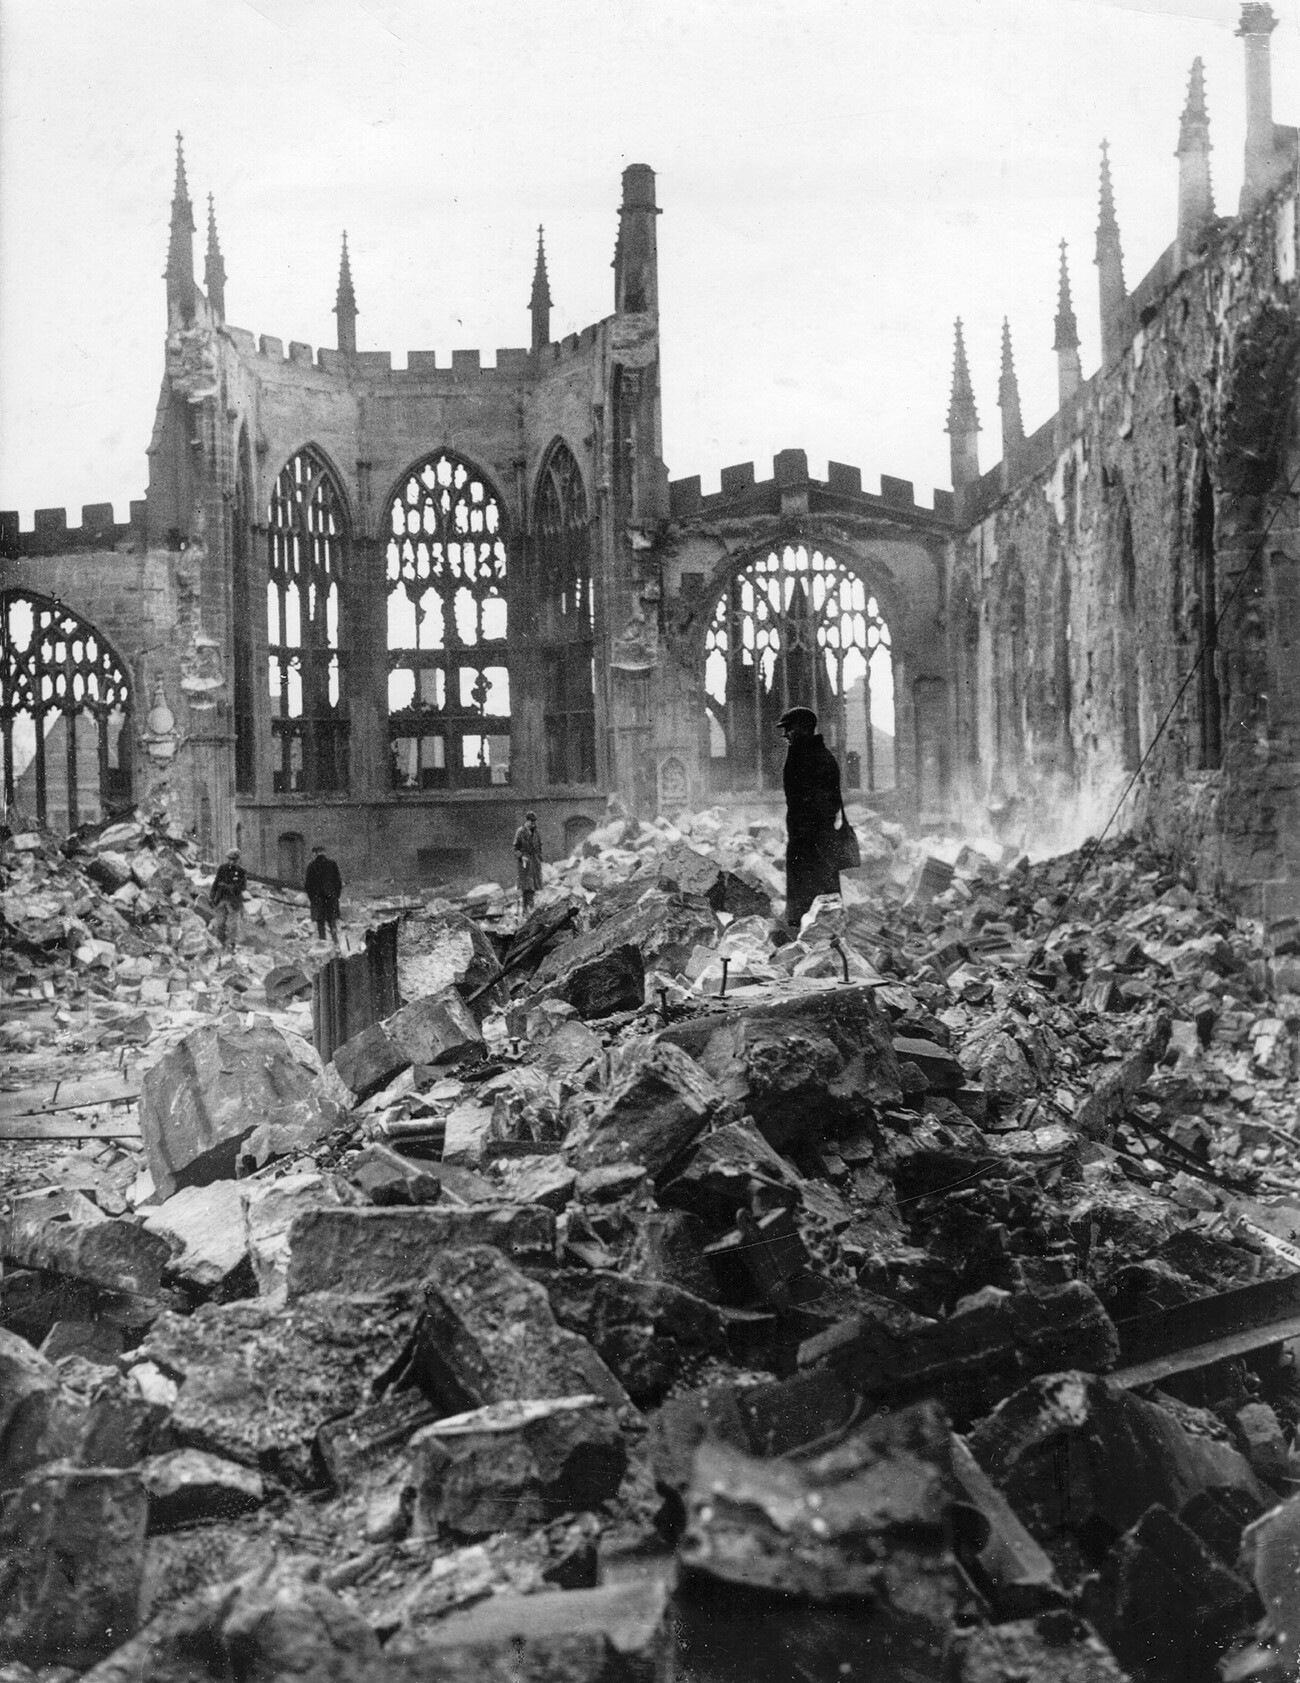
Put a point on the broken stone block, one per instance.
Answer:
(257, 1381)
(1011, 1568)
(1264, 1441)
(618, 1633)
(664, 928)
(71, 1562)
(63, 1231)
(657, 1102)
(516, 1465)
(469, 1129)
(798, 1065)
(441, 950)
(386, 1178)
(1073, 1453)
(100, 1342)
(488, 1335)
(270, 1207)
(188, 1487)
(1270, 1549)
(363, 1252)
(668, 1245)
(200, 1103)
(34, 1427)
(608, 982)
(646, 1332)
(205, 1227)
(439, 1029)
(358, 1444)
(548, 1181)
(759, 1256)
(1056, 1647)
(607, 1183)
(368, 1061)
(941, 1069)
(1163, 1602)
(726, 1169)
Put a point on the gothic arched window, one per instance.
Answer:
(448, 660)
(65, 715)
(566, 619)
(308, 543)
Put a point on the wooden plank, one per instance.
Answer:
(121, 1125)
(68, 1095)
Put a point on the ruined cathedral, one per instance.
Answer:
(385, 608)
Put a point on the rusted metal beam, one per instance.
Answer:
(1207, 1330)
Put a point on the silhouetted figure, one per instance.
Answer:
(528, 859)
(227, 897)
(812, 803)
(323, 885)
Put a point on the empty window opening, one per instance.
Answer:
(291, 858)
(242, 622)
(449, 704)
(798, 629)
(566, 620)
(1205, 615)
(65, 716)
(308, 536)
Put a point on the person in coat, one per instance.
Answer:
(528, 859)
(227, 897)
(812, 804)
(323, 885)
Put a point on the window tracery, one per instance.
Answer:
(562, 545)
(448, 657)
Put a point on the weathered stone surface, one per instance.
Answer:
(664, 928)
(657, 1102)
(442, 950)
(204, 1225)
(608, 982)
(723, 1172)
(270, 1208)
(284, 983)
(258, 1381)
(798, 1065)
(71, 1559)
(1015, 1572)
(1070, 1449)
(548, 1180)
(1053, 1648)
(1163, 1602)
(369, 1061)
(868, 1519)
(619, 1633)
(200, 1103)
(516, 1465)
(360, 1443)
(32, 1424)
(1270, 1549)
(488, 1335)
(63, 1231)
(437, 1029)
(645, 1331)
(668, 1245)
(94, 1341)
(186, 1486)
(1264, 1441)
(386, 1177)
(272, 1623)
(361, 1252)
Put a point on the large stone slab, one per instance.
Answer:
(798, 1065)
(33, 1428)
(187, 1486)
(71, 1561)
(645, 1331)
(657, 1102)
(515, 1465)
(439, 1029)
(488, 1335)
(60, 1229)
(204, 1225)
(257, 1381)
(361, 1252)
(269, 1210)
(664, 928)
(202, 1101)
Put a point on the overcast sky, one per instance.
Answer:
(839, 179)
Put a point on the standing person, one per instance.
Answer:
(812, 804)
(228, 897)
(528, 858)
(323, 885)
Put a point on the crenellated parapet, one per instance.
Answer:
(51, 534)
(791, 489)
(511, 365)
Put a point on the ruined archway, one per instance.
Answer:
(796, 627)
(65, 715)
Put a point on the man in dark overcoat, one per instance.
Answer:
(323, 886)
(812, 804)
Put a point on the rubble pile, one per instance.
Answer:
(653, 1294)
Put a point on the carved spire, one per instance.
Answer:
(214, 269)
(345, 304)
(1069, 372)
(1195, 192)
(179, 273)
(540, 302)
(1110, 266)
(1013, 427)
(963, 422)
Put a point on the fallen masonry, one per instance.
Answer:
(909, 1299)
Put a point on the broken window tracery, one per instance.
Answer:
(242, 616)
(566, 619)
(65, 715)
(798, 629)
(448, 658)
(308, 540)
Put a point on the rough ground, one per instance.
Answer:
(612, 1311)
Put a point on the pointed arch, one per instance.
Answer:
(242, 594)
(65, 714)
(308, 543)
(449, 721)
(566, 617)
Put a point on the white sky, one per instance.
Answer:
(838, 178)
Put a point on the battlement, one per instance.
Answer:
(512, 364)
(51, 534)
(741, 492)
